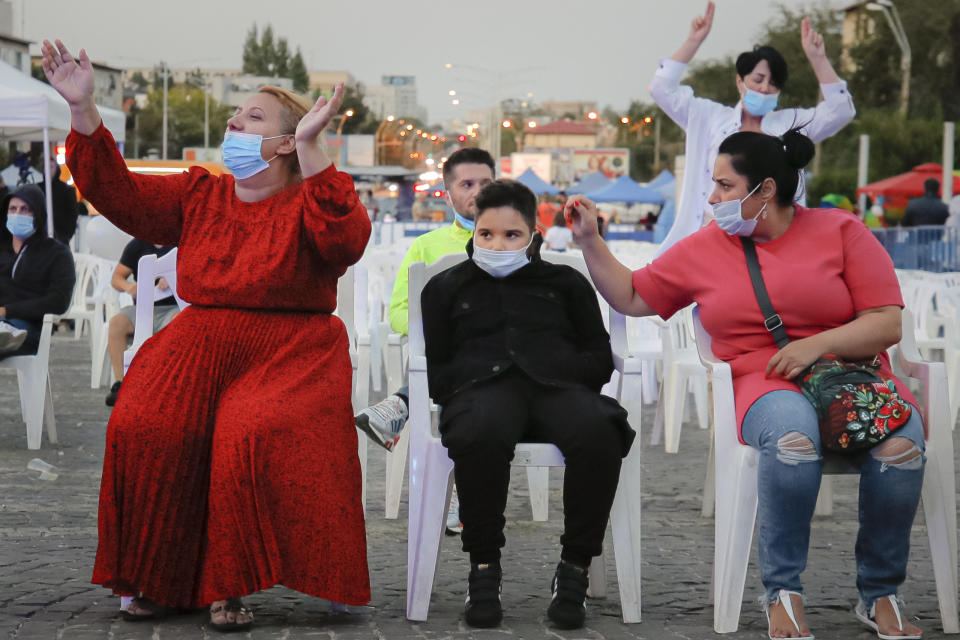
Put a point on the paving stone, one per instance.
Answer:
(48, 539)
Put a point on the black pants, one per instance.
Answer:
(480, 428)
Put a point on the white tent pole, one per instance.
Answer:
(46, 179)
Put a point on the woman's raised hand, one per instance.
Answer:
(700, 27)
(71, 77)
(319, 116)
(581, 214)
(811, 41)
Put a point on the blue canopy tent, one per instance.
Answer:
(593, 182)
(536, 184)
(664, 177)
(624, 189)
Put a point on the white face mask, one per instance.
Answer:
(729, 216)
(500, 264)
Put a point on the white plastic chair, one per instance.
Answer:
(149, 268)
(105, 305)
(36, 393)
(682, 370)
(736, 483)
(79, 311)
(431, 468)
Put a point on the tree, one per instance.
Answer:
(252, 59)
(268, 57)
(361, 120)
(196, 79)
(139, 81)
(184, 120)
(298, 73)
(281, 59)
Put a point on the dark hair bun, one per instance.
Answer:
(798, 147)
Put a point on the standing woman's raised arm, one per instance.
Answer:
(73, 79)
(699, 29)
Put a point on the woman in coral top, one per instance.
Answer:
(231, 456)
(835, 289)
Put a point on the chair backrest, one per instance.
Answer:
(149, 268)
(85, 284)
(345, 305)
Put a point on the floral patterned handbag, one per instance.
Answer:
(858, 406)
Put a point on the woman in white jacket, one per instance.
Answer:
(761, 74)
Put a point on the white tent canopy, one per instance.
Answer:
(27, 106)
(31, 110)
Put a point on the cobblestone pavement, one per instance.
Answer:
(48, 538)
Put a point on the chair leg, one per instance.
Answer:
(597, 577)
(429, 497)
(49, 419)
(32, 392)
(362, 455)
(825, 497)
(699, 384)
(939, 509)
(676, 385)
(709, 485)
(734, 521)
(396, 465)
(648, 372)
(625, 525)
(538, 479)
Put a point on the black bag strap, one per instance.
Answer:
(771, 319)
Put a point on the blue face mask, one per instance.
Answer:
(760, 104)
(20, 226)
(729, 216)
(466, 223)
(242, 153)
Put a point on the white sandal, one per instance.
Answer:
(783, 596)
(869, 619)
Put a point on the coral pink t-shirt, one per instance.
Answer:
(824, 269)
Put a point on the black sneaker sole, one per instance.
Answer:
(363, 423)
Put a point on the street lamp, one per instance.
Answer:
(346, 114)
(890, 12)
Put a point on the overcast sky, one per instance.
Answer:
(603, 50)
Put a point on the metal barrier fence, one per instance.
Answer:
(929, 248)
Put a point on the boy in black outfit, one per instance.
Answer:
(517, 352)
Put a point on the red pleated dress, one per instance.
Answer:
(231, 456)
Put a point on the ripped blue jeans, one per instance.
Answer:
(783, 426)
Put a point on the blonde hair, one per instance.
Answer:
(293, 107)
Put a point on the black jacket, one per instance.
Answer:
(66, 208)
(44, 278)
(925, 210)
(543, 318)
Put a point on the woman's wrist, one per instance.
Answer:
(84, 116)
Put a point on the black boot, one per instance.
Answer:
(568, 609)
(483, 608)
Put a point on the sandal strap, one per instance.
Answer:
(894, 602)
(784, 597)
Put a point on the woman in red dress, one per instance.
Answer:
(231, 456)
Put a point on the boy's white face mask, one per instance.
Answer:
(500, 264)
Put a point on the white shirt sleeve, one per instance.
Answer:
(830, 115)
(669, 94)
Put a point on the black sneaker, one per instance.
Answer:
(568, 609)
(112, 396)
(483, 608)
